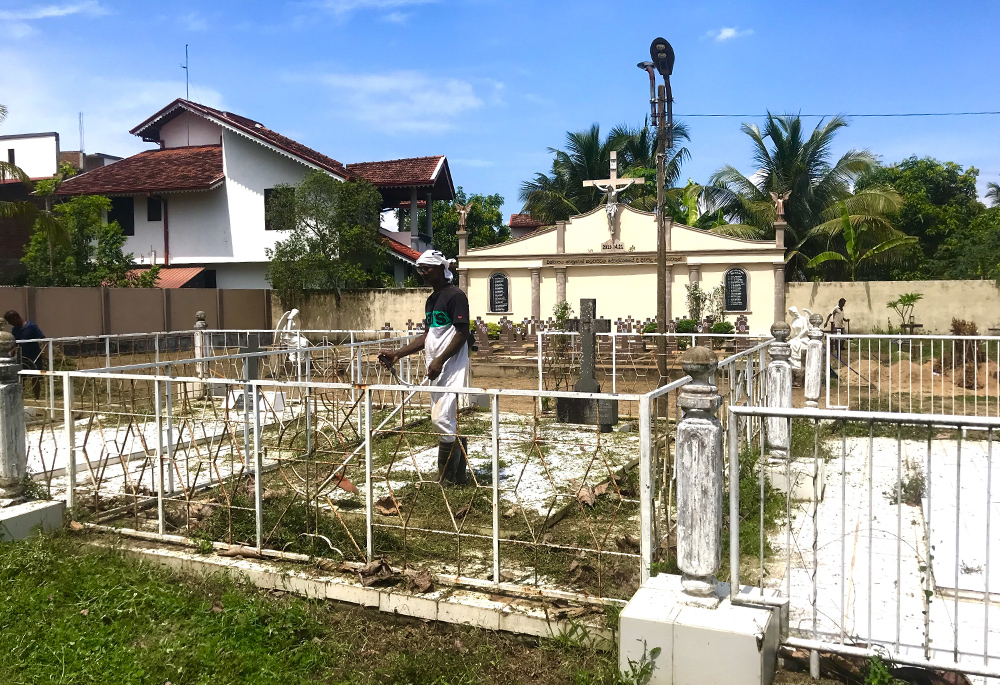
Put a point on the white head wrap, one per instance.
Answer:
(437, 258)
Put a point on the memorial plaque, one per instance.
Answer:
(736, 290)
(499, 293)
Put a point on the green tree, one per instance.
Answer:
(11, 172)
(334, 242)
(88, 251)
(973, 251)
(560, 194)
(863, 246)
(938, 200)
(788, 161)
(484, 223)
(993, 193)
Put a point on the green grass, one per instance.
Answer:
(76, 614)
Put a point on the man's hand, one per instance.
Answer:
(387, 357)
(434, 369)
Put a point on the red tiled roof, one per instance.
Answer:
(171, 276)
(250, 127)
(524, 221)
(172, 169)
(415, 171)
(401, 249)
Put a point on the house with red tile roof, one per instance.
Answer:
(199, 198)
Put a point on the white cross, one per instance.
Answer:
(612, 187)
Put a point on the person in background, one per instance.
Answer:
(839, 321)
(30, 351)
(445, 342)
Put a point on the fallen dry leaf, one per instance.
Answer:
(460, 647)
(573, 565)
(345, 484)
(216, 608)
(85, 612)
(602, 488)
(628, 544)
(270, 494)
(586, 496)
(375, 572)
(75, 525)
(419, 581)
(547, 538)
(237, 551)
(462, 512)
(512, 511)
(387, 506)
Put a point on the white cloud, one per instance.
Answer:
(397, 17)
(91, 7)
(111, 106)
(728, 33)
(345, 6)
(403, 101)
(194, 22)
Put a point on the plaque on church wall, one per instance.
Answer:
(499, 293)
(736, 290)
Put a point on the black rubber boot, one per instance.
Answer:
(444, 452)
(458, 471)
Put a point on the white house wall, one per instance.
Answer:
(190, 127)
(240, 275)
(37, 156)
(250, 169)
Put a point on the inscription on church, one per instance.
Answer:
(736, 290)
(607, 259)
(499, 293)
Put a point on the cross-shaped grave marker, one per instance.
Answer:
(603, 413)
(612, 187)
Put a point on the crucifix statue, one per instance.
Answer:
(612, 187)
(603, 413)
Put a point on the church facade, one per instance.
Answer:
(611, 256)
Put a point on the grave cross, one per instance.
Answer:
(612, 187)
(587, 326)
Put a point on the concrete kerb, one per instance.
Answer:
(444, 603)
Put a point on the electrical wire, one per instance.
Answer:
(895, 114)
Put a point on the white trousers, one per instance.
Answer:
(444, 405)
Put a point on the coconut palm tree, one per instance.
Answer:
(864, 245)
(993, 193)
(561, 193)
(10, 172)
(787, 160)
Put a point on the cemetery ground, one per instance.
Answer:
(73, 612)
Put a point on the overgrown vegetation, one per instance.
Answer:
(76, 614)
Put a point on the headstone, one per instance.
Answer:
(591, 412)
(736, 290)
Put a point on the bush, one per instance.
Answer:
(493, 331)
(687, 326)
(723, 327)
(649, 328)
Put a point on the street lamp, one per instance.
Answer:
(661, 110)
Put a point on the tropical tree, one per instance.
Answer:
(788, 161)
(862, 246)
(10, 172)
(560, 194)
(993, 193)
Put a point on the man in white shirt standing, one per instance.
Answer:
(838, 321)
(445, 342)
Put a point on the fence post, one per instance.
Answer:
(369, 484)
(779, 390)
(199, 348)
(814, 362)
(699, 479)
(646, 541)
(13, 436)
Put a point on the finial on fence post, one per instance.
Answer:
(13, 439)
(699, 479)
(779, 389)
(814, 362)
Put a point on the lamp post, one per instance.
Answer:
(661, 112)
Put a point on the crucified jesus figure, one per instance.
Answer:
(611, 191)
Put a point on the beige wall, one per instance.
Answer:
(977, 301)
(358, 309)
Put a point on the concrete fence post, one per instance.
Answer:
(699, 479)
(200, 348)
(814, 361)
(779, 389)
(13, 436)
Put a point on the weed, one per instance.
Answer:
(878, 673)
(909, 489)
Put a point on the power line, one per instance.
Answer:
(898, 114)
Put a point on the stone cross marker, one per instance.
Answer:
(603, 413)
(612, 187)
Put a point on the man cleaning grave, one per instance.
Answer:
(445, 342)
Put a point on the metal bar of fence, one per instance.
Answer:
(495, 463)
(69, 433)
(734, 509)
(369, 498)
(646, 487)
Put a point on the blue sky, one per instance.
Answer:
(492, 84)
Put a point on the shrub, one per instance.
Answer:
(687, 326)
(493, 331)
(649, 327)
(723, 327)
(963, 355)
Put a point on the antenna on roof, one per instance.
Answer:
(83, 158)
(187, 75)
